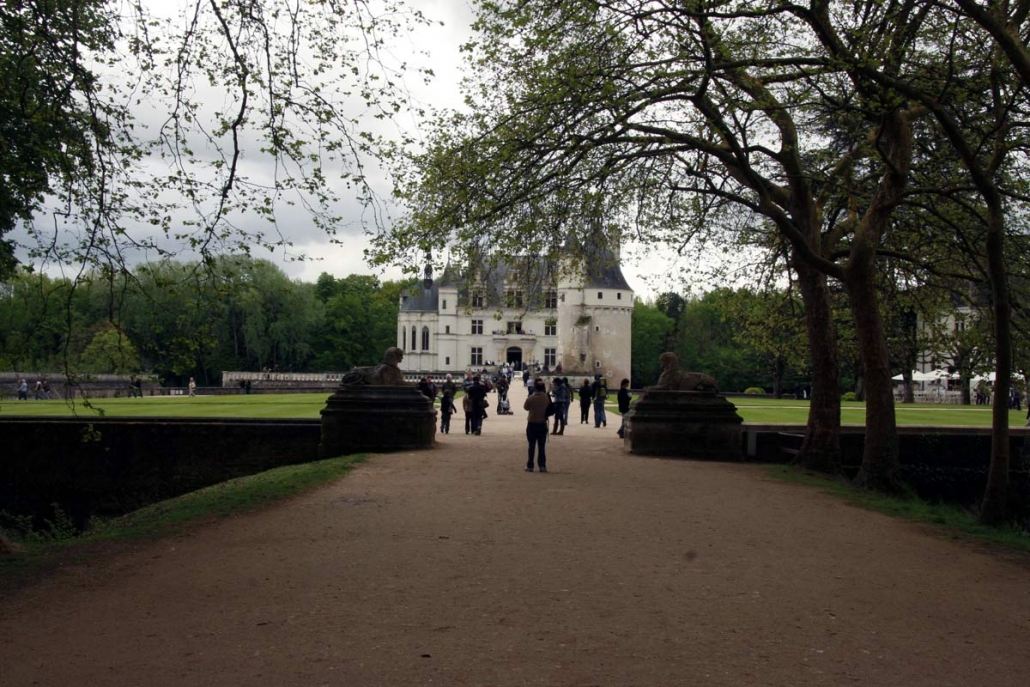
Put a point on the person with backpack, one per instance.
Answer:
(600, 395)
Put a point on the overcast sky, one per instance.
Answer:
(442, 39)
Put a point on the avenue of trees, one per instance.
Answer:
(871, 149)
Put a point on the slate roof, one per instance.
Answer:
(603, 272)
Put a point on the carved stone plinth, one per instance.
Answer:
(684, 424)
(376, 418)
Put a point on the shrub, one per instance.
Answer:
(754, 390)
(849, 396)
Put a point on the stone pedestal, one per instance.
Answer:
(362, 418)
(684, 424)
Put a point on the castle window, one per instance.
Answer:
(550, 355)
(513, 298)
(550, 329)
(514, 327)
(444, 303)
(618, 296)
(476, 357)
(414, 334)
(447, 360)
(582, 357)
(597, 363)
(600, 295)
(404, 336)
(477, 326)
(477, 299)
(597, 329)
(447, 329)
(425, 338)
(551, 299)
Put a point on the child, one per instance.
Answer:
(446, 410)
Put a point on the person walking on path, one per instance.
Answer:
(585, 396)
(624, 399)
(446, 410)
(477, 397)
(538, 408)
(23, 390)
(560, 394)
(600, 393)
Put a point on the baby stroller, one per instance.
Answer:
(503, 407)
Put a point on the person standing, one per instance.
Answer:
(586, 394)
(23, 390)
(624, 398)
(600, 391)
(561, 399)
(477, 396)
(193, 387)
(449, 385)
(446, 410)
(538, 408)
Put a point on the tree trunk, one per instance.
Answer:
(880, 459)
(820, 449)
(994, 509)
(909, 396)
(778, 369)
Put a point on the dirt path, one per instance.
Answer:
(455, 567)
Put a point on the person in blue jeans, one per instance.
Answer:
(538, 408)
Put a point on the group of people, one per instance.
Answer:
(41, 393)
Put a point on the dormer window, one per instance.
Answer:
(477, 299)
(551, 300)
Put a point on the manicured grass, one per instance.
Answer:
(956, 522)
(759, 410)
(853, 413)
(234, 406)
(234, 497)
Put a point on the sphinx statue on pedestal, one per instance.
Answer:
(675, 379)
(683, 416)
(387, 374)
(374, 409)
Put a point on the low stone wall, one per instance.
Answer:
(944, 463)
(113, 466)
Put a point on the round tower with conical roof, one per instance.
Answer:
(595, 317)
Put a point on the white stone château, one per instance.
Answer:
(521, 312)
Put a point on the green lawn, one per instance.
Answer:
(308, 405)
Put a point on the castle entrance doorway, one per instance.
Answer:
(515, 357)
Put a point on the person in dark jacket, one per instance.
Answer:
(477, 397)
(586, 394)
(600, 392)
(624, 398)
